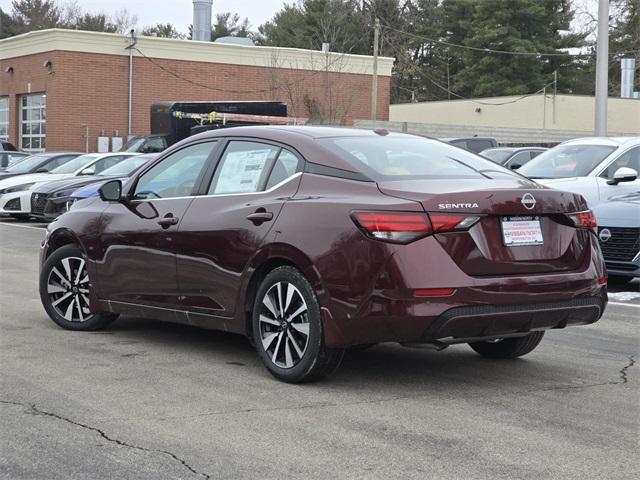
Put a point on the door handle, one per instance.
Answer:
(168, 221)
(259, 216)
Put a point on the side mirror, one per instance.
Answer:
(111, 191)
(623, 174)
(87, 171)
(514, 166)
(42, 170)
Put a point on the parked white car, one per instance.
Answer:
(598, 167)
(15, 192)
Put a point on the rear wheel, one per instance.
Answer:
(64, 291)
(508, 347)
(287, 329)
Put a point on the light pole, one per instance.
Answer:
(602, 68)
(132, 43)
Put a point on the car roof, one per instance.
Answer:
(611, 141)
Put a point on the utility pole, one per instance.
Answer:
(602, 66)
(374, 78)
(132, 43)
(555, 92)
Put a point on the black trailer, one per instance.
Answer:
(176, 119)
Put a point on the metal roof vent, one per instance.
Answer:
(235, 40)
(202, 20)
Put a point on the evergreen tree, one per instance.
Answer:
(515, 26)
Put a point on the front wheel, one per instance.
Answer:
(287, 329)
(508, 347)
(64, 291)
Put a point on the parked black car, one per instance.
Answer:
(7, 146)
(512, 157)
(41, 162)
(619, 236)
(51, 199)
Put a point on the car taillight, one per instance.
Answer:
(584, 219)
(405, 227)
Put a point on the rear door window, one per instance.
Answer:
(243, 167)
(285, 166)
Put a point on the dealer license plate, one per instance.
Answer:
(521, 231)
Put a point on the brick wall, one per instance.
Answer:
(92, 89)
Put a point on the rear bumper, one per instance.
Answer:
(480, 307)
(492, 321)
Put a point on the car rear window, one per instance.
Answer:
(408, 158)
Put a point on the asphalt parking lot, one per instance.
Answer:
(149, 400)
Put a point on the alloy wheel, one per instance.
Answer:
(284, 325)
(68, 289)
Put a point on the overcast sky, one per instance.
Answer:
(178, 12)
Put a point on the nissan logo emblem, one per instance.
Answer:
(528, 201)
(604, 235)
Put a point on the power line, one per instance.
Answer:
(232, 91)
(501, 52)
(515, 100)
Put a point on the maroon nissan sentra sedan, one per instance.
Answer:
(311, 240)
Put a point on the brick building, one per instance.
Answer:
(55, 85)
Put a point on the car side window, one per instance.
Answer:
(57, 162)
(105, 163)
(154, 144)
(286, 165)
(519, 158)
(243, 167)
(630, 159)
(175, 175)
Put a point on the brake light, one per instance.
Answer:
(445, 222)
(585, 219)
(405, 227)
(433, 292)
(397, 227)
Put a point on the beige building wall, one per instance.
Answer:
(565, 112)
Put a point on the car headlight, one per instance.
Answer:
(17, 188)
(63, 193)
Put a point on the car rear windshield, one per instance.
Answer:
(72, 165)
(565, 161)
(27, 164)
(409, 158)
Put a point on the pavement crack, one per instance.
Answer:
(32, 409)
(623, 370)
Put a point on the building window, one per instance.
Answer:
(33, 122)
(4, 118)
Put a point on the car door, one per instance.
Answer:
(223, 228)
(137, 235)
(630, 159)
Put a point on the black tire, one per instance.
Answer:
(317, 361)
(53, 287)
(19, 216)
(617, 280)
(508, 347)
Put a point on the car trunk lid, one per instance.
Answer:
(482, 249)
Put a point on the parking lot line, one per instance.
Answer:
(23, 226)
(625, 304)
